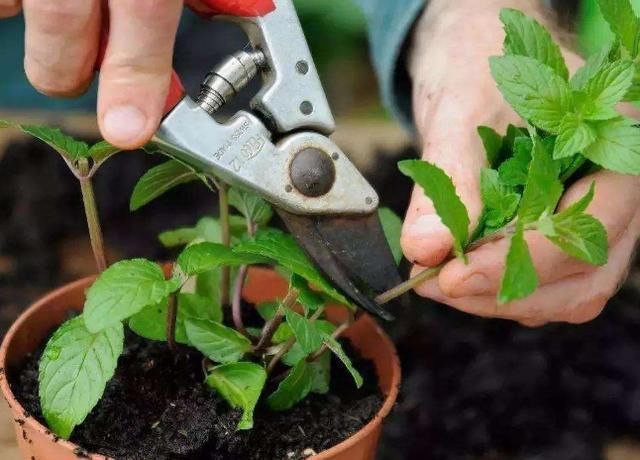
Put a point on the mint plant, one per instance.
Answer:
(573, 129)
(184, 305)
(83, 161)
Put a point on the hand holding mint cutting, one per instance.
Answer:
(544, 258)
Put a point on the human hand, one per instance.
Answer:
(453, 94)
(62, 45)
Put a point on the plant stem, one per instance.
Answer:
(430, 273)
(272, 325)
(225, 234)
(172, 315)
(236, 303)
(92, 216)
(289, 343)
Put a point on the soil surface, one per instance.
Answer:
(156, 407)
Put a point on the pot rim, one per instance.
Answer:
(14, 404)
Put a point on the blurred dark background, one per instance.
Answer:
(473, 389)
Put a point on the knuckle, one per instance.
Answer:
(54, 16)
(54, 83)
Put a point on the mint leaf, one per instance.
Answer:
(392, 227)
(240, 384)
(575, 136)
(492, 142)
(610, 84)
(203, 257)
(297, 353)
(124, 289)
(308, 298)
(307, 335)
(282, 334)
(217, 342)
(336, 348)
(617, 146)
(520, 278)
(623, 23)
(159, 180)
(439, 188)
(536, 92)
(283, 249)
(67, 146)
(501, 202)
(102, 150)
(543, 188)
(151, 321)
(515, 170)
(580, 235)
(581, 205)
(526, 37)
(251, 206)
(321, 374)
(207, 229)
(593, 65)
(293, 389)
(74, 370)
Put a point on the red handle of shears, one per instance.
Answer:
(207, 9)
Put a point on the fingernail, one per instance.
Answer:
(476, 284)
(427, 226)
(123, 123)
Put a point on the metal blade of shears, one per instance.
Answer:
(351, 251)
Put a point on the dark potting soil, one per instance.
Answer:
(157, 407)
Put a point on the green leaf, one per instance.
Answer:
(501, 202)
(297, 353)
(593, 65)
(575, 136)
(321, 374)
(526, 37)
(251, 206)
(533, 90)
(102, 150)
(617, 146)
(151, 322)
(492, 142)
(580, 235)
(439, 188)
(634, 92)
(267, 310)
(307, 335)
(520, 278)
(336, 348)
(240, 384)
(610, 84)
(515, 170)
(293, 389)
(282, 334)
(216, 341)
(284, 250)
(392, 227)
(178, 237)
(74, 370)
(124, 289)
(159, 180)
(543, 188)
(308, 298)
(206, 230)
(623, 23)
(67, 146)
(203, 257)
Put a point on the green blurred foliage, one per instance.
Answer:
(593, 31)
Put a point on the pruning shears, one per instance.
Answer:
(280, 149)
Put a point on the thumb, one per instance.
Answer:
(459, 152)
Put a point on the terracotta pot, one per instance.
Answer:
(31, 328)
